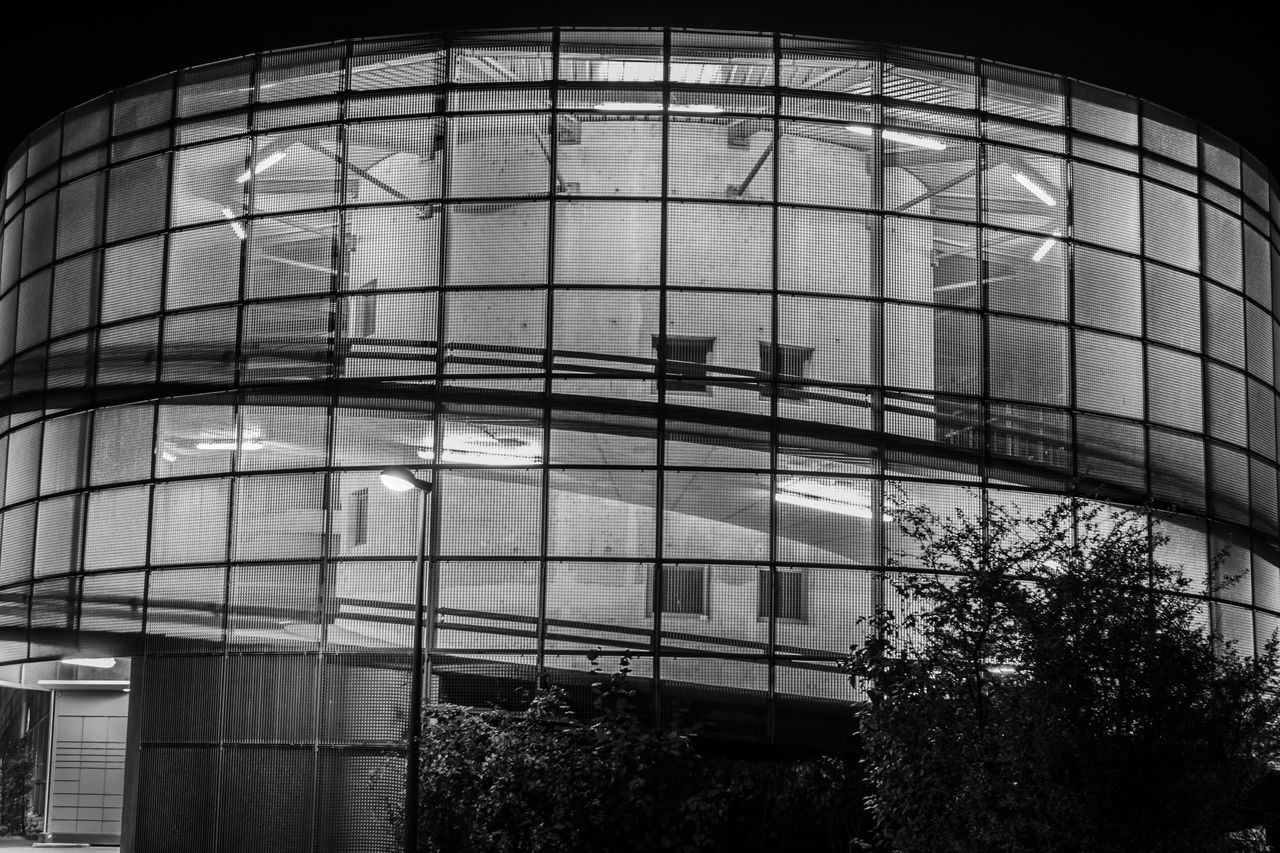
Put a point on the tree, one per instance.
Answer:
(1043, 683)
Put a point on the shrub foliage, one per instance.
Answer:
(1046, 683)
(15, 786)
(544, 781)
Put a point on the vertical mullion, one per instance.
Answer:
(36, 502)
(100, 265)
(170, 184)
(553, 146)
(1244, 290)
(1146, 341)
(80, 515)
(984, 408)
(437, 424)
(659, 494)
(984, 301)
(773, 384)
(150, 531)
(224, 675)
(152, 471)
(162, 307)
(1210, 498)
(338, 255)
(80, 509)
(875, 276)
(1068, 254)
(250, 226)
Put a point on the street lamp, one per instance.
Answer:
(399, 478)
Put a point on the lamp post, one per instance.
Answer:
(398, 478)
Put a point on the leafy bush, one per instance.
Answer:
(15, 786)
(544, 780)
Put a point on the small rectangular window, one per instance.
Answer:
(364, 311)
(358, 527)
(686, 360)
(684, 589)
(790, 363)
(786, 598)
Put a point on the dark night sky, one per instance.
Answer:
(1214, 66)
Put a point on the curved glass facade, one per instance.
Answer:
(662, 315)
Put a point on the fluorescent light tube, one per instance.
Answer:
(827, 496)
(484, 450)
(912, 139)
(655, 107)
(629, 106)
(228, 445)
(1034, 188)
(827, 489)
(474, 457)
(1044, 249)
(96, 663)
(696, 108)
(267, 162)
(823, 504)
(235, 226)
(478, 457)
(899, 136)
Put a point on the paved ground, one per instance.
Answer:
(24, 844)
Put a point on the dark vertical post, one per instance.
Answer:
(415, 686)
(660, 367)
(774, 384)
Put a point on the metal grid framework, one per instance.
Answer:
(663, 315)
